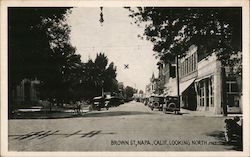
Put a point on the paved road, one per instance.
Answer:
(129, 127)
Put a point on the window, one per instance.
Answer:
(189, 65)
(186, 67)
(172, 71)
(207, 91)
(202, 94)
(195, 61)
(232, 94)
(211, 95)
(232, 87)
(182, 65)
(192, 62)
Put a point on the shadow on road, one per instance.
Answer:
(44, 134)
(172, 113)
(44, 115)
(60, 115)
(116, 113)
(220, 136)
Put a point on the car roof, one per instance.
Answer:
(98, 97)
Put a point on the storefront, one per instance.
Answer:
(210, 90)
(208, 85)
(188, 95)
(205, 93)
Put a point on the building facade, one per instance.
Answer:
(204, 84)
(188, 72)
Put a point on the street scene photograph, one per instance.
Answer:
(125, 79)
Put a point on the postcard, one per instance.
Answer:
(124, 78)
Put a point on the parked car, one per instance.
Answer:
(99, 102)
(113, 101)
(156, 101)
(171, 104)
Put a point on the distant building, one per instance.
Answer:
(27, 92)
(153, 86)
(166, 80)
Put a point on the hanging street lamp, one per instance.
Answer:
(101, 16)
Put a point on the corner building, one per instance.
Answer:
(204, 83)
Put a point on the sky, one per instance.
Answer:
(117, 38)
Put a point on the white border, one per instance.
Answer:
(170, 3)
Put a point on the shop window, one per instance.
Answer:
(207, 92)
(211, 94)
(202, 94)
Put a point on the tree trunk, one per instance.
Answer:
(224, 91)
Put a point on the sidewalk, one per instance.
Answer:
(186, 112)
(40, 113)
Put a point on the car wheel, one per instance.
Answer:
(171, 106)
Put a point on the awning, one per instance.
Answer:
(202, 78)
(185, 85)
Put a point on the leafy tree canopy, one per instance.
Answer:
(95, 76)
(39, 47)
(174, 30)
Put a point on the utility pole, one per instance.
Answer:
(178, 81)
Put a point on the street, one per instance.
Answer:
(128, 127)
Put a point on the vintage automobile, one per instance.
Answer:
(100, 102)
(171, 104)
(113, 101)
(156, 101)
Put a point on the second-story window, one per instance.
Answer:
(188, 65)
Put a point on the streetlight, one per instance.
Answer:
(101, 16)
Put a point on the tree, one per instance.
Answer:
(174, 30)
(95, 76)
(39, 48)
(29, 45)
(129, 92)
